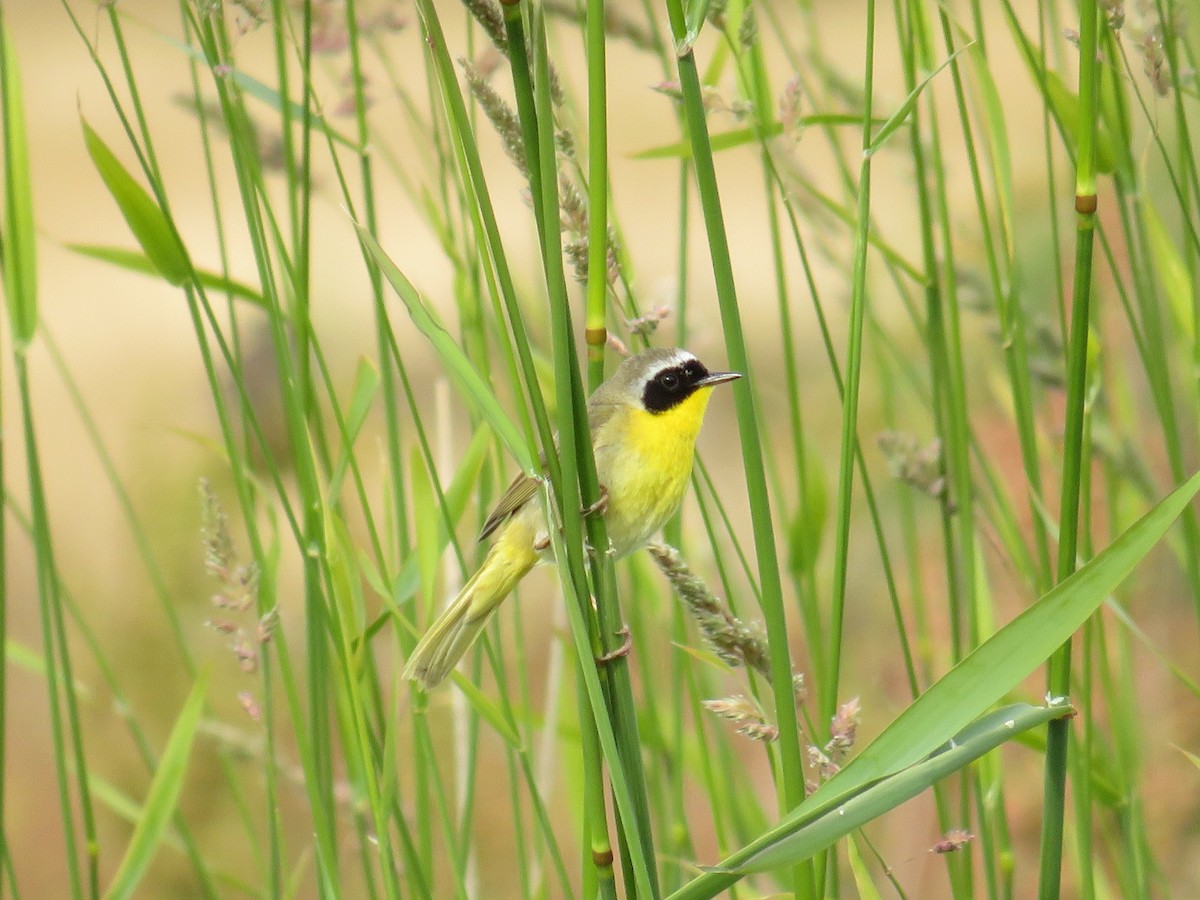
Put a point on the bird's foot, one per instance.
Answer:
(623, 650)
(609, 551)
(599, 506)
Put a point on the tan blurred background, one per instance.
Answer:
(129, 344)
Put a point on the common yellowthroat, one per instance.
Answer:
(643, 422)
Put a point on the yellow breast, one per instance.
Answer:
(644, 459)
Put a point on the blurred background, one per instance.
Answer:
(126, 343)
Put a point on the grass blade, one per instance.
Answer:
(993, 669)
(151, 829)
(827, 826)
(366, 385)
(427, 520)
(896, 119)
(19, 240)
(999, 664)
(134, 261)
(740, 137)
(470, 383)
(146, 220)
(1176, 280)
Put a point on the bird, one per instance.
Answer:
(643, 421)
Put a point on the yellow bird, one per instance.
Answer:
(644, 421)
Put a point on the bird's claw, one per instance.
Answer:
(599, 506)
(623, 650)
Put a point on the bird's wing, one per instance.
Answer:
(520, 492)
(600, 413)
(525, 487)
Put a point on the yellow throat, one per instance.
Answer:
(645, 460)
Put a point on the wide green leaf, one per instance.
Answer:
(999, 664)
(823, 828)
(981, 679)
(145, 218)
(152, 826)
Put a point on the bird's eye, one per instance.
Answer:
(669, 380)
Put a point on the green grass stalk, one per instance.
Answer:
(578, 485)
(316, 747)
(599, 867)
(20, 290)
(790, 790)
(383, 806)
(850, 396)
(1059, 672)
(70, 761)
(595, 331)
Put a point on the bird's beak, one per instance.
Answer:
(718, 378)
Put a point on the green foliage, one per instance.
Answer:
(143, 264)
(159, 806)
(19, 242)
(149, 224)
(386, 316)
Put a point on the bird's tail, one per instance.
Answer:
(459, 624)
